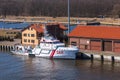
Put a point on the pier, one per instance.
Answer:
(102, 56)
(7, 45)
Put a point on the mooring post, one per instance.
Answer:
(1, 47)
(113, 59)
(102, 58)
(92, 57)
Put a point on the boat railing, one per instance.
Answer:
(73, 46)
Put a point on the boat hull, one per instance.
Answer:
(66, 54)
(19, 53)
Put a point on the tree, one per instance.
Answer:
(116, 10)
(56, 8)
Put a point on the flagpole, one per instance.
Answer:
(68, 16)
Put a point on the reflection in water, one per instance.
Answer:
(14, 67)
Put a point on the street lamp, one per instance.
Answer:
(68, 16)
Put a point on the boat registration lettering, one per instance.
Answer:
(59, 51)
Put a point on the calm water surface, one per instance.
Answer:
(14, 67)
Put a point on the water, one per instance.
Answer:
(14, 67)
(71, 28)
(14, 25)
(23, 25)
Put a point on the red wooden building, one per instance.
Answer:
(56, 30)
(96, 38)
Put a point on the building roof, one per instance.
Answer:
(57, 25)
(62, 27)
(101, 32)
(39, 27)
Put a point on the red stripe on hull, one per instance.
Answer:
(52, 54)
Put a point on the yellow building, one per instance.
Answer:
(12, 33)
(32, 34)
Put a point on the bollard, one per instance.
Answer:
(6, 48)
(1, 47)
(92, 57)
(113, 59)
(102, 58)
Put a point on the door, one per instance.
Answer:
(107, 45)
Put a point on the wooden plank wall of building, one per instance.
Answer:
(96, 45)
(116, 46)
(85, 44)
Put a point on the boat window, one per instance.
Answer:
(61, 46)
(30, 51)
(56, 42)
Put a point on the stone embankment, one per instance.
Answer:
(100, 55)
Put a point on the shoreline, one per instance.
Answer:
(63, 20)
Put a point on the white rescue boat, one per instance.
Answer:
(50, 47)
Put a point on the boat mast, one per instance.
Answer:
(68, 16)
(45, 30)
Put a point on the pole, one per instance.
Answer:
(68, 16)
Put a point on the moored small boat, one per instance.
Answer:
(21, 50)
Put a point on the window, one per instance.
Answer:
(11, 32)
(32, 35)
(14, 32)
(29, 41)
(74, 43)
(32, 41)
(28, 35)
(117, 41)
(86, 46)
(25, 34)
(7, 32)
(25, 40)
(31, 28)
